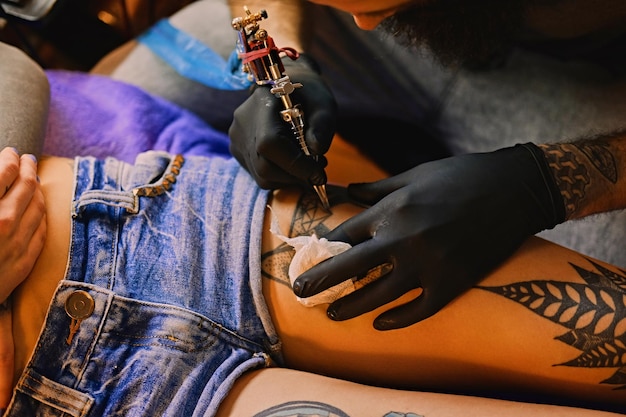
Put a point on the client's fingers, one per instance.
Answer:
(34, 229)
(22, 226)
(33, 224)
(9, 169)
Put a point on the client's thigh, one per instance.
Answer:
(283, 392)
(548, 321)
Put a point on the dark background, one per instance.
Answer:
(76, 34)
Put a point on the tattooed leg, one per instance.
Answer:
(480, 344)
(289, 393)
(591, 313)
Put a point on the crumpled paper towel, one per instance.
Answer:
(311, 250)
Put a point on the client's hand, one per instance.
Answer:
(22, 235)
(22, 219)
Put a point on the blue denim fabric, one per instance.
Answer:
(175, 280)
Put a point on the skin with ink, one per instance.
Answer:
(585, 172)
(566, 164)
(592, 310)
(444, 352)
(302, 409)
(464, 35)
(315, 409)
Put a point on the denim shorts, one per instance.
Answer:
(161, 308)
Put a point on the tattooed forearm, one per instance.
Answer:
(301, 409)
(570, 173)
(315, 409)
(587, 173)
(601, 157)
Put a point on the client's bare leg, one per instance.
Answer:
(32, 297)
(283, 392)
(548, 322)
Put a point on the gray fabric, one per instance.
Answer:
(530, 97)
(25, 99)
(146, 70)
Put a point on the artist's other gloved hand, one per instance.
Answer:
(442, 225)
(265, 145)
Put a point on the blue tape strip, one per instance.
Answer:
(193, 59)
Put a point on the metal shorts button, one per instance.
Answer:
(79, 305)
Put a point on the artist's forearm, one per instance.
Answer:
(286, 21)
(590, 173)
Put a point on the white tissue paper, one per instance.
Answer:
(310, 250)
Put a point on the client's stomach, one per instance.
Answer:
(32, 297)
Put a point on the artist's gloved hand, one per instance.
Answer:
(442, 225)
(265, 145)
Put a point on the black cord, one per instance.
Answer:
(17, 3)
(151, 12)
(128, 24)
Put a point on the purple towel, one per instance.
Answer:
(95, 115)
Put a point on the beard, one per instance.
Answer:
(460, 32)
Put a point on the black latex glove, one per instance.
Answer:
(264, 143)
(442, 225)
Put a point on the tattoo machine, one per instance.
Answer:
(261, 60)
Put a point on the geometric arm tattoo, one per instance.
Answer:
(601, 158)
(594, 314)
(569, 165)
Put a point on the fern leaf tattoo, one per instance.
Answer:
(594, 312)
